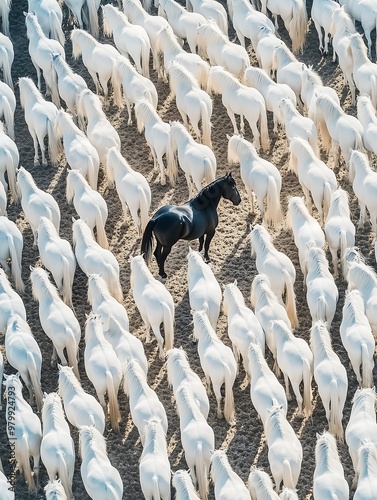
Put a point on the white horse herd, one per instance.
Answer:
(85, 127)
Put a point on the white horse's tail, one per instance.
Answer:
(53, 143)
(6, 68)
(326, 199)
(66, 288)
(116, 82)
(93, 18)
(16, 265)
(35, 382)
(209, 171)
(273, 213)
(373, 96)
(145, 57)
(114, 286)
(155, 488)
(113, 402)
(72, 349)
(229, 399)
(366, 367)
(206, 124)
(321, 308)
(23, 456)
(11, 172)
(307, 388)
(143, 209)
(63, 474)
(287, 475)
(56, 28)
(290, 299)
(265, 139)
(298, 26)
(8, 116)
(168, 327)
(4, 13)
(335, 423)
(343, 248)
(201, 469)
(100, 225)
(171, 161)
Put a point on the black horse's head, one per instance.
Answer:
(230, 191)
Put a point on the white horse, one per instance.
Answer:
(321, 291)
(339, 130)
(277, 266)
(57, 319)
(339, 229)
(50, 17)
(288, 71)
(3, 200)
(197, 438)
(143, 400)
(180, 373)
(343, 27)
(364, 183)
(4, 14)
(156, 133)
(227, 483)
(57, 256)
(243, 326)
(315, 177)
(261, 486)
(357, 338)
(154, 303)
(135, 86)
(89, 204)
(192, 102)
(247, 21)
(182, 482)
(11, 247)
(154, 467)
(364, 71)
(267, 309)
(11, 303)
(321, 14)
(36, 203)
(93, 259)
(364, 11)
(264, 386)
(23, 353)
(284, 448)
(367, 470)
(260, 177)
(6, 59)
(297, 125)
(100, 478)
(312, 87)
(241, 100)
(130, 39)
(102, 367)
(81, 155)
(267, 42)
(40, 116)
(54, 490)
(196, 160)
(183, 22)
(221, 51)
(366, 114)
(271, 91)
(57, 446)
(364, 279)
(9, 160)
(7, 107)
(24, 428)
(203, 287)
(294, 15)
(41, 49)
(80, 407)
(288, 494)
(328, 480)
(362, 425)
(304, 228)
(99, 130)
(217, 362)
(99, 59)
(70, 84)
(172, 52)
(295, 359)
(211, 10)
(330, 376)
(84, 12)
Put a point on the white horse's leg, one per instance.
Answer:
(369, 40)
(242, 125)
(276, 122)
(217, 391)
(160, 340)
(35, 141)
(334, 257)
(299, 398)
(135, 215)
(308, 201)
(319, 31)
(241, 38)
(362, 217)
(26, 379)
(125, 209)
(287, 392)
(233, 120)
(335, 151)
(36, 459)
(251, 196)
(63, 360)
(38, 70)
(128, 104)
(93, 74)
(147, 330)
(208, 384)
(53, 356)
(356, 368)
(162, 170)
(189, 185)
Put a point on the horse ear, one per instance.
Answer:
(228, 137)
(31, 268)
(235, 282)
(73, 219)
(25, 13)
(317, 435)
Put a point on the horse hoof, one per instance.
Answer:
(163, 275)
(36, 163)
(44, 162)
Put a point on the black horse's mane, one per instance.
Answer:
(209, 192)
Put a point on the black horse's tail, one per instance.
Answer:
(146, 242)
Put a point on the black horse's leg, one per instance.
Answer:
(165, 252)
(206, 245)
(157, 252)
(201, 242)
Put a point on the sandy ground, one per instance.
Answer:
(230, 252)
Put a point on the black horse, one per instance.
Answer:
(194, 219)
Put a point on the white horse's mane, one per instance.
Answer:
(24, 177)
(32, 22)
(240, 149)
(93, 328)
(93, 100)
(222, 78)
(203, 325)
(274, 421)
(180, 77)
(68, 382)
(79, 227)
(231, 290)
(262, 483)
(283, 55)
(262, 237)
(258, 76)
(367, 450)
(59, 61)
(172, 9)
(312, 76)
(365, 275)
(315, 259)
(361, 397)
(220, 463)
(211, 32)
(320, 338)
(154, 436)
(52, 411)
(4, 282)
(326, 451)
(95, 281)
(134, 375)
(339, 204)
(47, 228)
(145, 112)
(26, 85)
(41, 282)
(138, 264)
(297, 205)
(329, 107)
(183, 484)
(177, 359)
(262, 282)
(196, 261)
(358, 46)
(183, 395)
(91, 441)
(354, 307)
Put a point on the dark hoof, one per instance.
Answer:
(163, 275)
